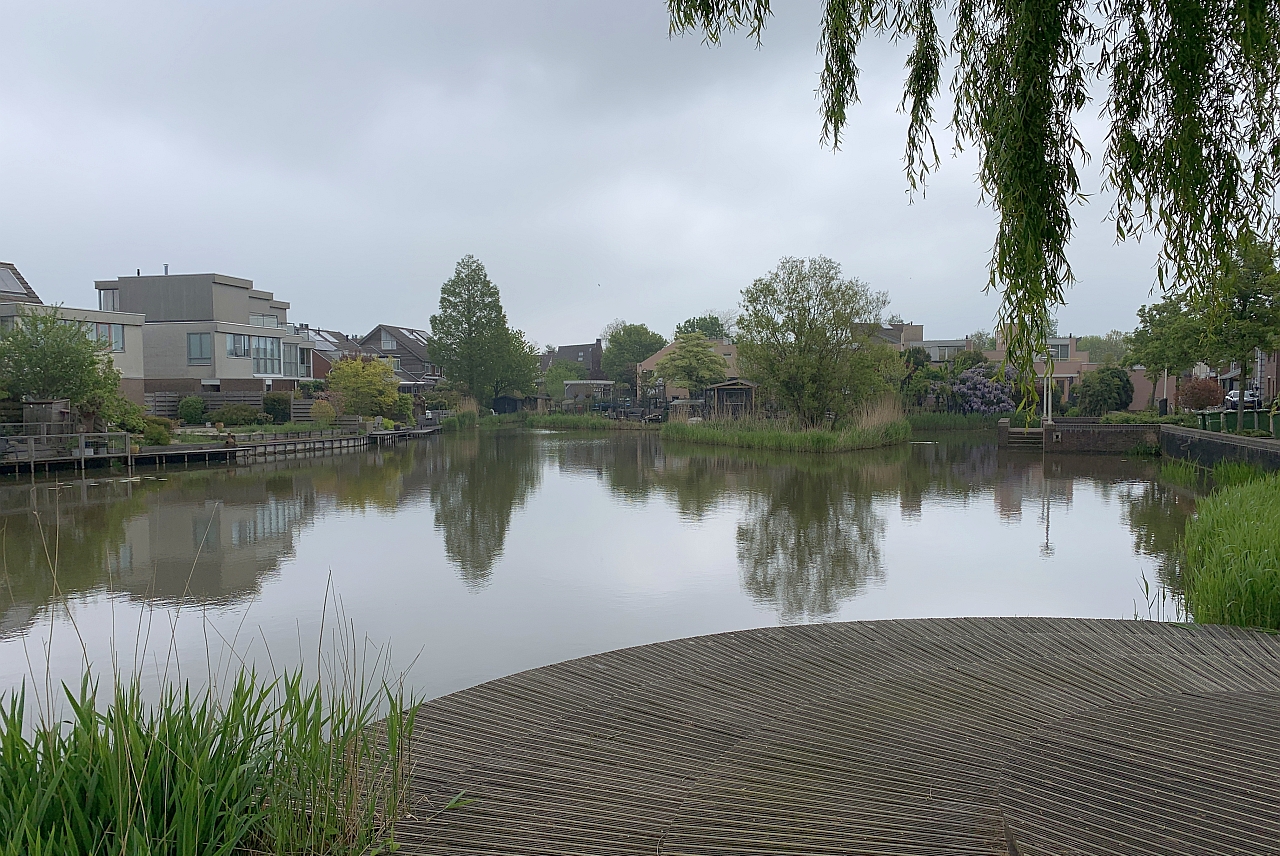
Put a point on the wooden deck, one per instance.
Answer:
(939, 736)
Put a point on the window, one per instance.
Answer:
(1060, 352)
(111, 334)
(266, 354)
(199, 349)
(304, 362)
(264, 320)
(237, 346)
(109, 300)
(290, 360)
(6, 323)
(395, 364)
(388, 341)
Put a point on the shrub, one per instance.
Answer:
(1104, 390)
(1200, 394)
(191, 410)
(155, 432)
(1232, 570)
(323, 414)
(238, 414)
(402, 411)
(278, 405)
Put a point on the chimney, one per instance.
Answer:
(139, 271)
(166, 270)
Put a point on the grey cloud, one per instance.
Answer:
(345, 155)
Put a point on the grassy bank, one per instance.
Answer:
(586, 421)
(1232, 570)
(927, 421)
(273, 767)
(875, 427)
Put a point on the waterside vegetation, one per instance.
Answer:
(878, 424)
(271, 766)
(1231, 572)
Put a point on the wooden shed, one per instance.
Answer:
(731, 399)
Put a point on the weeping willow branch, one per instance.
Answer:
(1193, 152)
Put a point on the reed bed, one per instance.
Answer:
(1231, 573)
(1181, 472)
(277, 767)
(1232, 473)
(878, 424)
(585, 422)
(929, 421)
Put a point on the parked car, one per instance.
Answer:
(1252, 400)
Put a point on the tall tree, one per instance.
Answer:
(515, 365)
(711, 325)
(1243, 311)
(469, 334)
(808, 336)
(693, 363)
(1167, 340)
(44, 357)
(628, 344)
(1111, 349)
(1192, 94)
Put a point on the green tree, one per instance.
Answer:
(1167, 340)
(514, 367)
(279, 406)
(1242, 313)
(559, 372)
(693, 363)
(1103, 391)
(710, 325)
(45, 357)
(628, 345)
(808, 336)
(983, 340)
(364, 387)
(469, 335)
(1191, 91)
(1109, 350)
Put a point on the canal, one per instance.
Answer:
(478, 556)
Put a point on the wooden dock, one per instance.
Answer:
(1026, 737)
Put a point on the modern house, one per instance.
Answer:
(588, 356)
(209, 332)
(122, 331)
(1069, 363)
(328, 347)
(406, 348)
(724, 347)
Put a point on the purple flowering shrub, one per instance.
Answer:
(976, 390)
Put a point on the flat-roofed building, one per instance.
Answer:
(209, 332)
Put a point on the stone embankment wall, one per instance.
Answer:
(1207, 448)
(1112, 439)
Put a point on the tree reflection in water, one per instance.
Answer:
(481, 480)
(808, 542)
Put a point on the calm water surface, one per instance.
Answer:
(483, 555)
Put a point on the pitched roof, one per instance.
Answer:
(14, 287)
(411, 340)
(331, 341)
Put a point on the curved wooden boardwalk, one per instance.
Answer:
(937, 736)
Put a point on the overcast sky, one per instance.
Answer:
(345, 156)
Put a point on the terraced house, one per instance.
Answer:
(211, 333)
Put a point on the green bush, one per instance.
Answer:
(238, 414)
(191, 410)
(1232, 570)
(402, 411)
(156, 431)
(278, 405)
(1148, 417)
(1103, 390)
(323, 414)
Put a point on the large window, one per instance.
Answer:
(266, 354)
(109, 300)
(264, 320)
(1060, 352)
(237, 346)
(304, 362)
(388, 341)
(111, 334)
(199, 349)
(290, 360)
